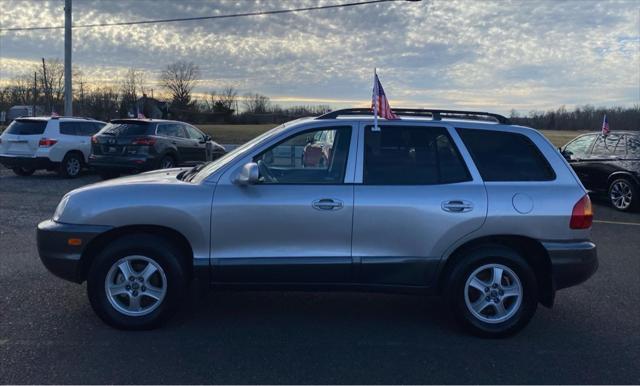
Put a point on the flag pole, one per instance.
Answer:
(375, 101)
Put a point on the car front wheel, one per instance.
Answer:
(623, 194)
(136, 282)
(492, 292)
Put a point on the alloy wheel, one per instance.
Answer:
(135, 285)
(621, 194)
(73, 166)
(493, 293)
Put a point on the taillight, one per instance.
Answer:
(47, 142)
(582, 215)
(94, 139)
(148, 141)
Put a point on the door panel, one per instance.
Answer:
(258, 226)
(294, 226)
(400, 232)
(417, 198)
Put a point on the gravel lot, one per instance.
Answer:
(49, 334)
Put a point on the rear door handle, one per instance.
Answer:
(327, 204)
(457, 206)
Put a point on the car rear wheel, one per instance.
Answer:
(20, 171)
(136, 282)
(167, 162)
(623, 194)
(71, 165)
(492, 292)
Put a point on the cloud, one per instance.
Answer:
(494, 55)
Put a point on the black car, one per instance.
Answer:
(133, 145)
(608, 164)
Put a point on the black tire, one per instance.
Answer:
(623, 194)
(23, 172)
(71, 165)
(164, 254)
(167, 162)
(456, 292)
(108, 175)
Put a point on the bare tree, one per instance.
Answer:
(132, 87)
(180, 78)
(256, 103)
(51, 78)
(227, 98)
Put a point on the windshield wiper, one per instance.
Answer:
(189, 174)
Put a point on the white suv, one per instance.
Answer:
(62, 144)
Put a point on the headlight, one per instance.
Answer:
(60, 208)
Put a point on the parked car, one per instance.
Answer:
(487, 214)
(133, 145)
(608, 164)
(62, 144)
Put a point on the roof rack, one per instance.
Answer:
(436, 115)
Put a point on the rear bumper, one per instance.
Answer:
(60, 258)
(571, 262)
(111, 163)
(25, 162)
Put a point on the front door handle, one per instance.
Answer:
(327, 204)
(457, 206)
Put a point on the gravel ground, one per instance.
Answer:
(49, 334)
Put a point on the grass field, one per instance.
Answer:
(237, 134)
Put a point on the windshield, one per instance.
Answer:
(125, 128)
(237, 152)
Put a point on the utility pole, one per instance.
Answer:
(35, 88)
(68, 91)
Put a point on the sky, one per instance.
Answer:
(460, 54)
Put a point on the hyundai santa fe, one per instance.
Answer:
(460, 204)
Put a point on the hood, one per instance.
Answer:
(165, 176)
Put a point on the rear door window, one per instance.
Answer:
(171, 130)
(504, 156)
(406, 155)
(84, 129)
(26, 127)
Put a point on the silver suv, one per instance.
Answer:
(462, 204)
(61, 144)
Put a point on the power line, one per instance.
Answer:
(260, 13)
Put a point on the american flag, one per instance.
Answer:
(379, 101)
(605, 125)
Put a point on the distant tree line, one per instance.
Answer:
(43, 87)
(585, 117)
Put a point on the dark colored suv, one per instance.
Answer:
(131, 145)
(608, 164)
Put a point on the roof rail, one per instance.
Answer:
(436, 115)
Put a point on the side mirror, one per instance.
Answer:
(248, 175)
(205, 139)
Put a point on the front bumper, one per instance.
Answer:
(571, 262)
(25, 162)
(60, 258)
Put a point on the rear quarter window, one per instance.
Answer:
(503, 156)
(26, 127)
